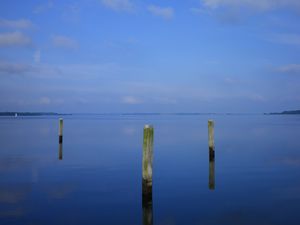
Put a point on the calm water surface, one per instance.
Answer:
(95, 178)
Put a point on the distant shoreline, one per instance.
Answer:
(290, 112)
(116, 114)
(16, 114)
(32, 114)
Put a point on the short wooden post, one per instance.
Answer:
(60, 132)
(147, 161)
(60, 151)
(211, 143)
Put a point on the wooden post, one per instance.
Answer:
(60, 132)
(60, 151)
(211, 143)
(147, 161)
(147, 175)
(211, 146)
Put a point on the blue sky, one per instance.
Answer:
(150, 56)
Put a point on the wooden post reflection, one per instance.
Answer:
(211, 179)
(147, 210)
(60, 151)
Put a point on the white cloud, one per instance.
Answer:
(43, 7)
(131, 100)
(236, 11)
(290, 69)
(72, 12)
(257, 98)
(254, 4)
(16, 24)
(14, 39)
(118, 5)
(15, 68)
(164, 12)
(45, 101)
(231, 81)
(37, 56)
(78, 72)
(64, 42)
(290, 39)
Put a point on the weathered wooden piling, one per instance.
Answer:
(147, 162)
(60, 151)
(211, 146)
(211, 178)
(60, 132)
(211, 143)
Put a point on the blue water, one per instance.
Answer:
(98, 180)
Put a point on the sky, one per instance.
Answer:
(113, 56)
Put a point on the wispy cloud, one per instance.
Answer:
(72, 12)
(64, 42)
(45, 101)
(290, 39)
(229, 16)
(43, 7)
(164, 12)
(79, 72)
(231, 81)
(13, 39)
(37, 56)
(15, 68)
(257, 98)
(236, 11)
(290, 69)
(118, 5)
(256, 5)
(16, 24)
(131, 100)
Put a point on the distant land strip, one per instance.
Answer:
(31, 114)
(117, 114)
(290, 112)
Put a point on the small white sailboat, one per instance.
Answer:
(16, 114)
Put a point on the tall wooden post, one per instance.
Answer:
(147, 160)
(211, 146)
(60, 132)
(147, 175)
(211, 143)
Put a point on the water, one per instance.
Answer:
(96, 177)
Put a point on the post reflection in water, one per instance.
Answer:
(211, 179)
(60, 151)
(147, 210)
